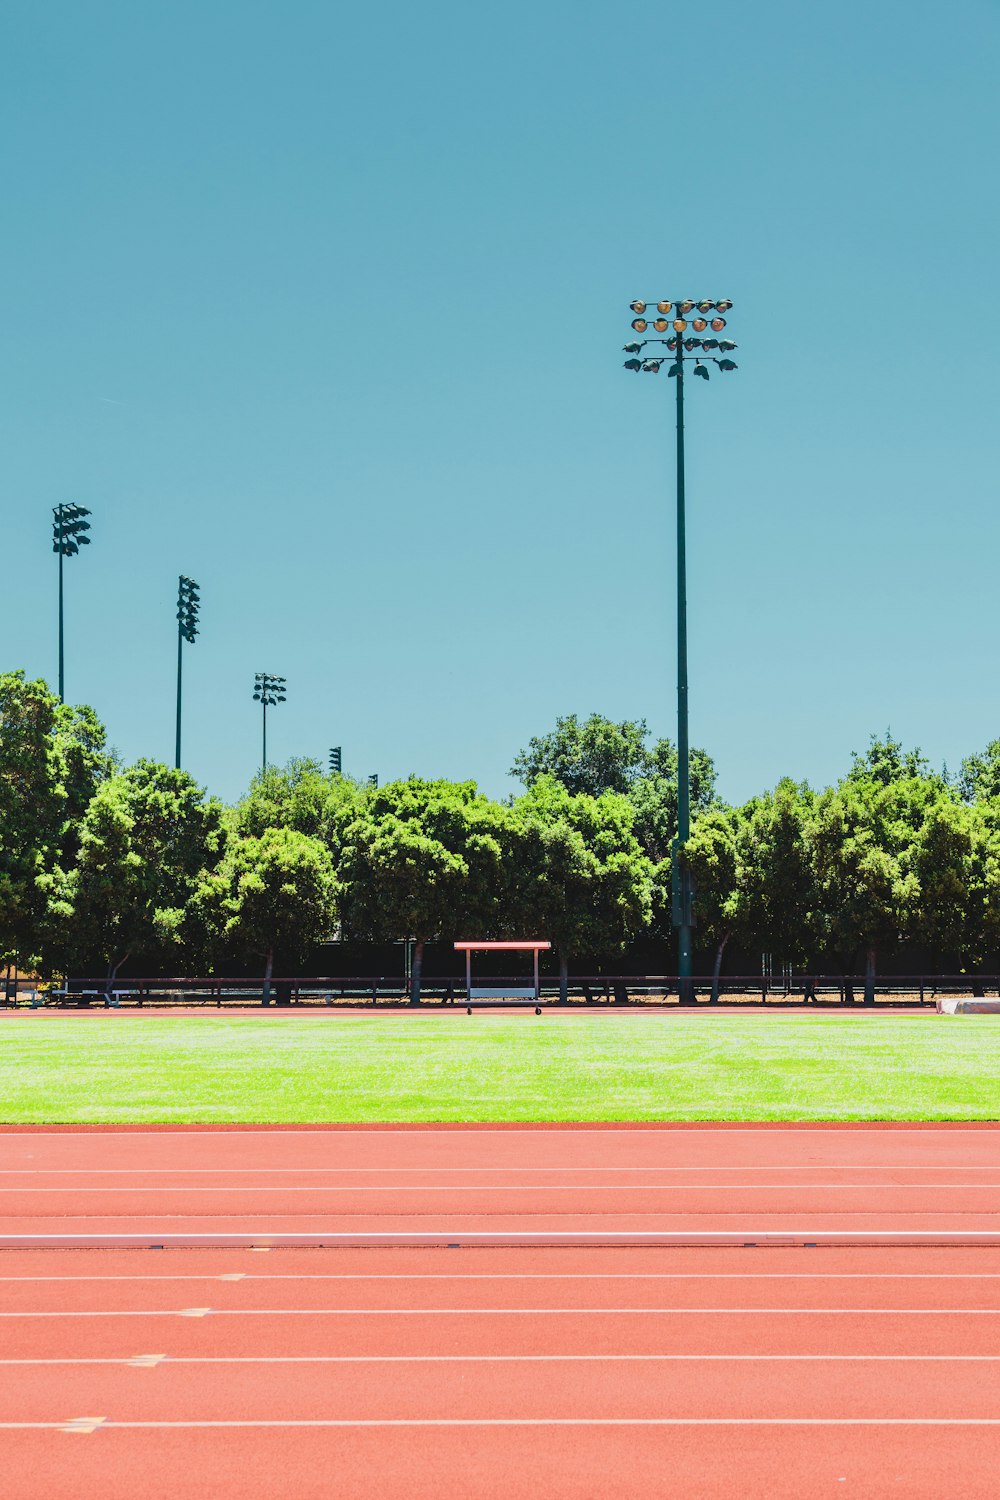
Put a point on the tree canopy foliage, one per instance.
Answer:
(102, 863)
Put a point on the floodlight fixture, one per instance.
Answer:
(373, 780)
(692, 349)
(267, 691)
(188, 605)
(336, 766)
(631, 348)
(69, 534)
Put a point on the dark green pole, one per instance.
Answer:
(61, 663)
(263, 705)
(180, 665)
(682, 917)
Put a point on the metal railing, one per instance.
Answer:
(839, 990)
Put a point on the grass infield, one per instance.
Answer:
(317, 1069)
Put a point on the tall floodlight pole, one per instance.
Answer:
(267, 691)
(188, 605)
(336, 768)
(69, 534)
(683, 347)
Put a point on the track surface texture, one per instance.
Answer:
(568, 1372)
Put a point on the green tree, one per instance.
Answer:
(979, 775)
(52, 759)
(423, 860)
(654, 797)
(591, 757)
(300, 796)
(885, 761)
(753, 875)
(272, 893)
(597, 755)
(865, 834)
(582, 879)
(148, 834)
(713, 857)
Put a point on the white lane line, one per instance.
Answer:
(528, 1187)
(826, 1166)
(346, 1422)
(148, 1361)
(494, 1312)
(962, 1276)
(82, 1424)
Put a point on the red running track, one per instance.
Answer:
(555, 1372)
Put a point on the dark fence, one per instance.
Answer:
(636, 990)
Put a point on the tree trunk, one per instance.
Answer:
(870, 977)
(268, 971)
(563, 977)
(416, 970)
(112, 974)
(718, 969)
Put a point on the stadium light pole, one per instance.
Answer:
(336, 759)
(69, 534)
(267, 691)
(683, 344)
(188, 605)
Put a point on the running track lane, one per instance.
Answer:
(498, 1372)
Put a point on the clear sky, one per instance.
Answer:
(323, 304)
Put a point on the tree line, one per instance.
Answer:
(101, 862)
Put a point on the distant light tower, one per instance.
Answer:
(188, 605)
(373, 780)
(267, 691)
(69, 534)
(671, 318)
(335, 761)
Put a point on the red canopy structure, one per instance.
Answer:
(506, 991)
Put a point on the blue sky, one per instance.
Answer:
(323, 305)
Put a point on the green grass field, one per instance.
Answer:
(606, 1067)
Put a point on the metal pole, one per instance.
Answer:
(683, 917)
(61, 672)
(263, 705)
(180, 662)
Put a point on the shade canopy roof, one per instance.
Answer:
(527, 946)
